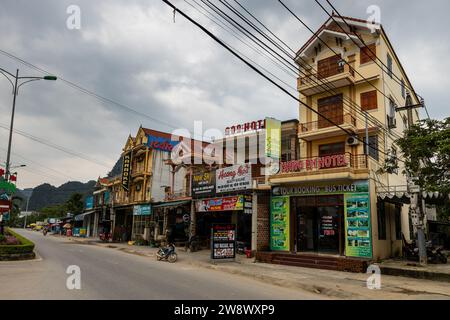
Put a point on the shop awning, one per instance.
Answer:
(171, 204)
(81, 217)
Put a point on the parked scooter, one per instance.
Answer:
(105, 236)
(44, 231)
(435, 254)
(167, 253)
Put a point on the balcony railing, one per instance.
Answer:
(324, 123)
(177, 195)
(333, 77)
(324, 163)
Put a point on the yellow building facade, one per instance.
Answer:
(325, 189)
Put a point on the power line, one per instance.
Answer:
(211, 35)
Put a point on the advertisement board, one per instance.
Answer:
(223, 241)
(142, 210)
(89, 202)
(204, 184)
(272, 145)
(358, 235)
(279, 224)
(161, 143)
(237, 177)
(220, 204)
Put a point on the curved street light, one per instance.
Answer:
(16, 85)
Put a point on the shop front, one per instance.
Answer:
(331, 218)
(234, 209)
(123, 223)
(172, 220)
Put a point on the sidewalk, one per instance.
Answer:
(332, 284)
(397, 267)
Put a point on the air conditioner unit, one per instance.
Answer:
(392, 122)
(352, 141)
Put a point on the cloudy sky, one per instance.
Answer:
(171, 74)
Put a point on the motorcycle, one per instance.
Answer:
(167, 253)
(435, 254)
(105, 237)
(44, 232)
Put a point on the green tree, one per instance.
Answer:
(75, 203)
(426, 149)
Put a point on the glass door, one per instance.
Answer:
(307, 229)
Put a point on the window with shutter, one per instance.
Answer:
(369, 100)
(368, 54)
(329, 67)
(331, 108)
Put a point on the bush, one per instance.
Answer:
(2, 238)
(25, 246)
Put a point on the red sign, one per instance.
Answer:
(245, 127)
(221, 204)
(5, 205)
(326, 162)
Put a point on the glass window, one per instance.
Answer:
(373, 147)
(403, 89)
(389, 65)
(331, 149)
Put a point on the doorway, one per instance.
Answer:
(319, 224)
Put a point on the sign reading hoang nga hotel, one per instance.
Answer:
(326, 162)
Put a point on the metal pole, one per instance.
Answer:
(26, 215)
(8, 156)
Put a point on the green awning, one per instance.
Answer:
(171, 204)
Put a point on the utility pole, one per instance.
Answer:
(416, 209)
(26, 214)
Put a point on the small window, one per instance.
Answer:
(369, 100)
(389, 65)
(381, 215)
(391, 108)
(373, 147)
(368, 54)
(403, 89)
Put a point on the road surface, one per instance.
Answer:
(111, 274)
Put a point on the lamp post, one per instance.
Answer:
(16, 85)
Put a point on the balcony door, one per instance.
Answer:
(329, 67)
(331, 108)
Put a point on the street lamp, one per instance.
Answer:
(16, 85)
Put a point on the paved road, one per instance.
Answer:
(111, 274)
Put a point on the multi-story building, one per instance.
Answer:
(328, 199)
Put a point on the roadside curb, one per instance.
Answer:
(416, 274)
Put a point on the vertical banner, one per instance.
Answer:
(358, 229)
(272, 146)
(126, 170)
(279, 224)
(223, 241)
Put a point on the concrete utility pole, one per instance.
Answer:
(417, 212)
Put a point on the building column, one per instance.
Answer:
(254, 221)
(96, 218)
(193, 224)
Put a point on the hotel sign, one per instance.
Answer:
(126, 170)
(245, 127)
(326, 162)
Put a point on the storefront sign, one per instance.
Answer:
(126, 170)
(237, 177)
(204, 184)
(248, 204)
(322, 189)
(326, 162)
(273, 138)
(161, 143)
(220, 204)
(142, 210)
(245, 127)
(223, 241)
(89, 203)
(358, 230)
(279, 224)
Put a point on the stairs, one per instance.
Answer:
(316, 261)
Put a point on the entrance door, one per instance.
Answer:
(319, 224)
(307, 229)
